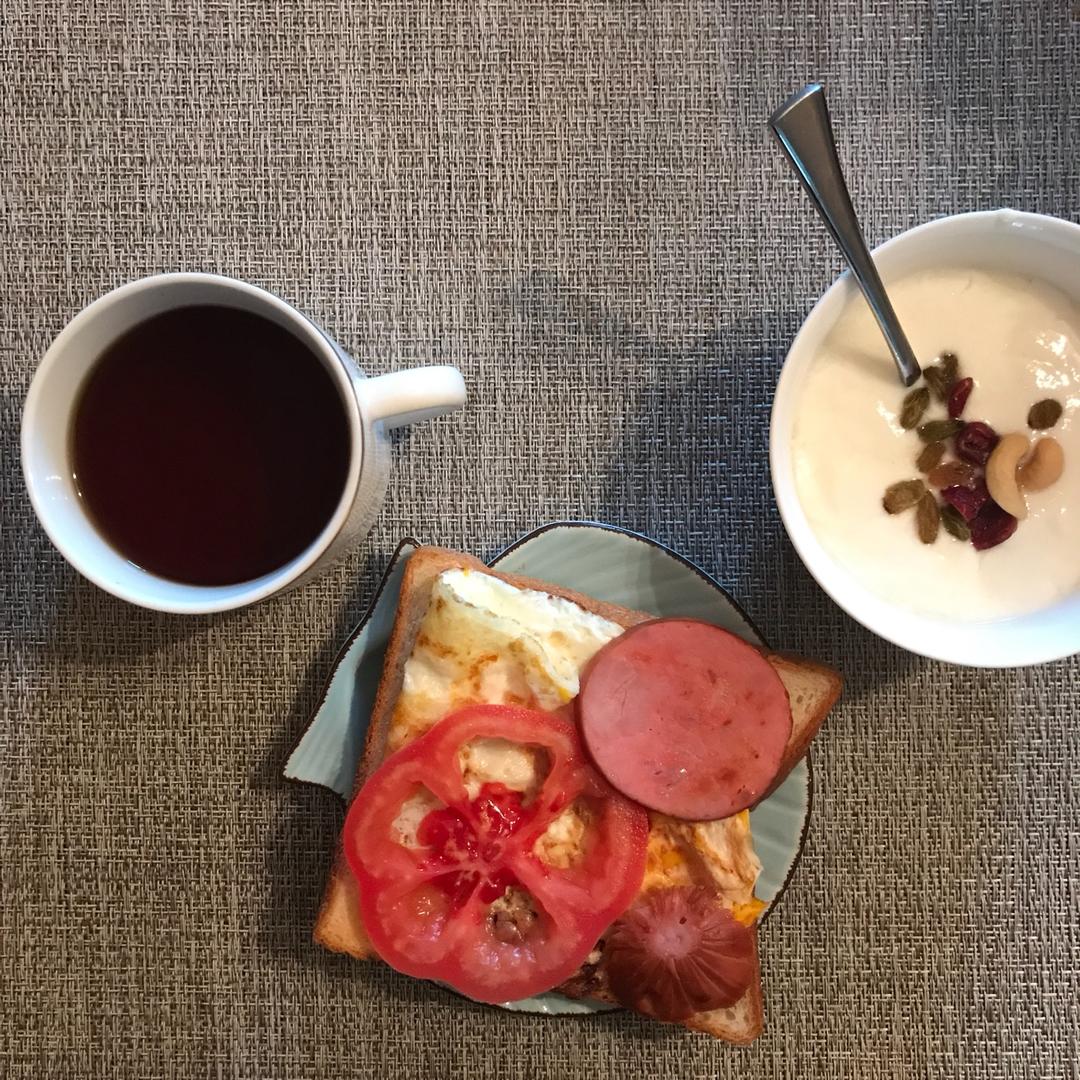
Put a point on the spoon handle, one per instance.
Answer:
(803, 127)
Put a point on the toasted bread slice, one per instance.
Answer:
(812, 688)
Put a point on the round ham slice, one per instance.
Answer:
(685, 718)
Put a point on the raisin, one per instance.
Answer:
(950, 365)
(1044, 414)
(941, 377)
(930, 457)
(952, 472)
(928, 518)
(903, 495)
(915, 404)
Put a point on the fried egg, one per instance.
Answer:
(485, 761)
(485, 641)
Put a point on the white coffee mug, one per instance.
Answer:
(372, 406)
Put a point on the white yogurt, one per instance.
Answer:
(1020, 340)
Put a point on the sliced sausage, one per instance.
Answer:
(676, 952)
(685, 718)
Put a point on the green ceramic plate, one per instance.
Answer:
(602, 561)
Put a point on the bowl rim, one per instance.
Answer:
(1001, 643)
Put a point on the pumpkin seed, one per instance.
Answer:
(1044, 414)
(928, 518)
(930, 457)
(903, 495)
(954, 523)
(951, 474)
(915, 404)
(939, 430)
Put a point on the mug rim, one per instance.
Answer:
(199, 599)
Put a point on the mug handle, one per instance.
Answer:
(404, 397)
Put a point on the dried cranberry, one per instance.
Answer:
(968, 500)
(958, 397)
(975, 442)
(991, 526)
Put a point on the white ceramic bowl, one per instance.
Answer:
(1002, 240)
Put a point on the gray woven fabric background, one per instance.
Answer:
(578, 204)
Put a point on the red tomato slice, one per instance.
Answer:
(456, 892)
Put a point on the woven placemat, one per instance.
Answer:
(578, 204)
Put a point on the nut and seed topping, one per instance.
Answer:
(903, 495)
(939, 430)
(952, 473)
(954, 523)
(950, 365)
(967, 501)
(942, 376)
(958, 397)
(976, 442)
(915, 404)
(1001, 476)
(1044, 467)
(930, 457)
(928, 518)
(991, 526)
(1043, 414)
(983, 492)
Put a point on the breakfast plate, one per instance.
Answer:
(611, 564)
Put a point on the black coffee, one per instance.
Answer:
(210, 445)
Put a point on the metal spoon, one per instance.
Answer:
(805, 132)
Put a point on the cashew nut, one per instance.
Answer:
(1001, 474)
(1044, 467)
